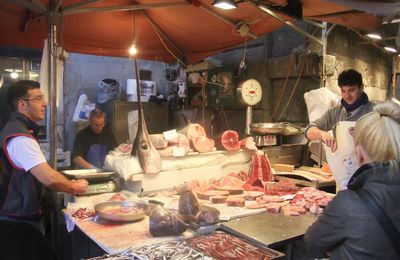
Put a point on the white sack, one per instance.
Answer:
(318, 101)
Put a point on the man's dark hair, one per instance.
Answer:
(18, 90)
(350, 77)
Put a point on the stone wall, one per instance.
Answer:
(267, 60)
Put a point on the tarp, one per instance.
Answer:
(190, 30)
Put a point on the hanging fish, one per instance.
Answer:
(143, 148)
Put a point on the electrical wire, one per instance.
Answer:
(284, 87)
(294, 89)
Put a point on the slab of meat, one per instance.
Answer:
(143, 148)
(235, 201)
(189, 207)
(218, 199)
(193, 130)
(275, 207)
(210, 193)
(208, 215)
(164, 222)
(269, 198)
(203, 144)
(256, 205)
(253, 195)
(260, 171)
(232, 190)
(158, 141)
(230, 140)
(248, 143)
(293, 210)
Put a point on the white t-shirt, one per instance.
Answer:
(25, 152)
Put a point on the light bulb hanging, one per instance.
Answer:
(132, 49)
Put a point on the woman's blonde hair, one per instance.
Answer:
(378, 132)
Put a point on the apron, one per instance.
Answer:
(97, 154)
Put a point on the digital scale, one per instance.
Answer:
(100, 181)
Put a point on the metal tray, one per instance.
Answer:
(87, 173)
(267, 128)
(104, 211)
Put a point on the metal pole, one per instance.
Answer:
(290, 24)
(249, 119)
(324, 36)
(53, 87)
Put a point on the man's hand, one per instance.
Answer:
(80, 186)
(329, 141)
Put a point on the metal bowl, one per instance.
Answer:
(267, 128)
(119, 211)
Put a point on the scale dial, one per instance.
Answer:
(250, 92)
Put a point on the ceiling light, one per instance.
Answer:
(132, 50)
(374, 36)
(225, 4)
(390, 49)
(14, 75)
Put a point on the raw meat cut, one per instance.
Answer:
(143, 148)
(203, 144)
(256, 205)
(235, 201)
(231, 189)
(230, 140)
(253, 195)
(192, 130)
(260, 171)
(207, 194)
(208, 215)
(248, 143)
(218, 199)
(164, 222)
(158, 141)
(189, 207)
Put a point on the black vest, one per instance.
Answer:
(20, 191)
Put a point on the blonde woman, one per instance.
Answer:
(348, 229)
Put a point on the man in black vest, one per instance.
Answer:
(24, 168)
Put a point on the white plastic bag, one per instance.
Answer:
(83, 109)
(342, 162)
(318, 101)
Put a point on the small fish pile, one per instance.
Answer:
(170, 250)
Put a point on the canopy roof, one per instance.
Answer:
(163, 30)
